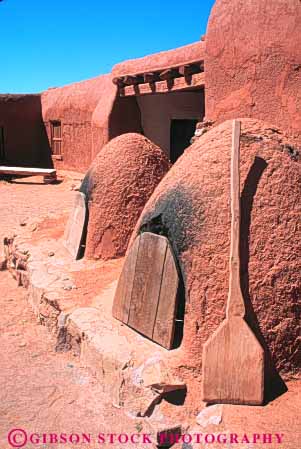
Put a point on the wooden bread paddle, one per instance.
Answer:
(233, 359)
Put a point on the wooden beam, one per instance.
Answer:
(169, 74)
(131, 80)
(189, 69)
(118, 81)
(196, 81)
(48, 174)
(27, 171)
(150, 77)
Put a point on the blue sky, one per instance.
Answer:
(53, 43)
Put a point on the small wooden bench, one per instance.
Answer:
(49, 174)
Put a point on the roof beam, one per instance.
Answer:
(169, 74)
(190, 69)
(132, 80)
(118, 81)
(196, 81)
(150, 77)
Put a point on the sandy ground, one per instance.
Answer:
(28, 199)
(40, 390)
(43, 391)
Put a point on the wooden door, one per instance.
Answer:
(75, 230)
(56, 138)
(2, 149)
(146, 295)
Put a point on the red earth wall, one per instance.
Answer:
(91, 113)
(162, 60)
(253, 62)
(25, 137)
(74, 105)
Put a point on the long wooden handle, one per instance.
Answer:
(235, 305)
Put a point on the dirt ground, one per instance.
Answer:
(40, 390)
(28, 199)
(43, 391)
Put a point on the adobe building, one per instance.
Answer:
(244, 69)
(241, 68)
(168, 88)
(160, 96)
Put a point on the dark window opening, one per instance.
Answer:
(56, 138)
(2, 149)
(181, 132)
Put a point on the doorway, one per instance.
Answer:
(2, 149)
(181, 131)
(56, 138)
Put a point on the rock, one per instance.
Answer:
(210, 416)
(33, 227)
(51, 254)
(164, 388)
(75, 187)
(154, 374)
(163, 434)
(199, 132)
(3, 264)
(62, 320)
(146, 402)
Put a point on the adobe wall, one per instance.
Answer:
(253, 62)
(162, 60)
(74, 105)
(25, 138)
(158, 110)
(91, 113)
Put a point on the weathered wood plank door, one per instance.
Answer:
(56, 138)
(75, 227)
(2, 149)
(146, 295)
